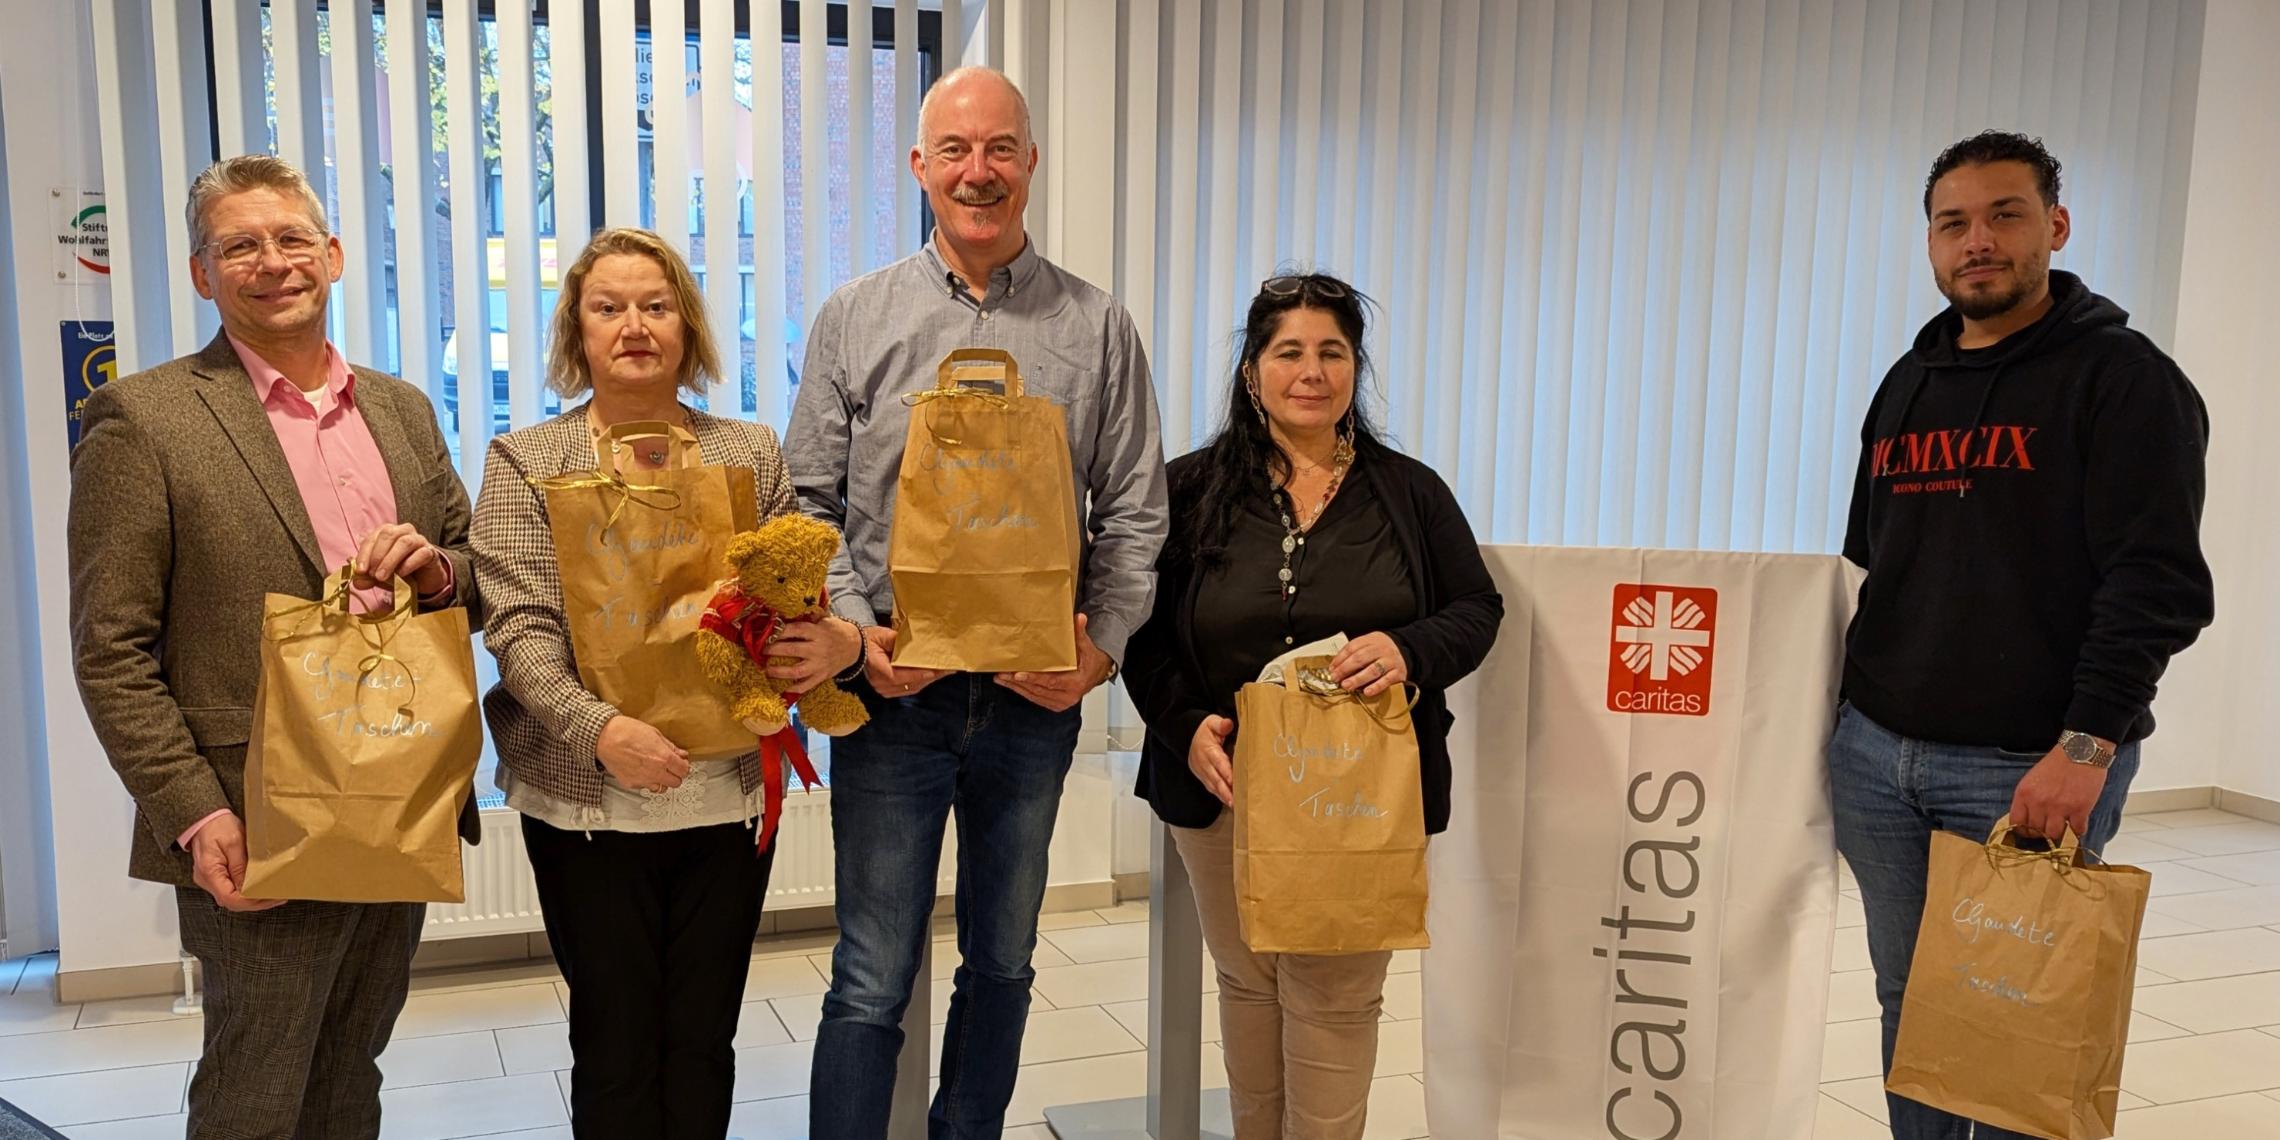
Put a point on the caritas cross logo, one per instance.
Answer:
(1659, 653)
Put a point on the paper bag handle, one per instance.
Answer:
(682, 446)
(946, 373)
(2005, 831)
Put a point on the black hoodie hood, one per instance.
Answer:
(2075, 312)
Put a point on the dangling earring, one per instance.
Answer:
(1257, 408)
(1345, 452)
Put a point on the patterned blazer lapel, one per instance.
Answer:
(227, 391)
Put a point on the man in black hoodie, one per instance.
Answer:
(2028, 509)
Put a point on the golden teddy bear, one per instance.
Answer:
(778, 577)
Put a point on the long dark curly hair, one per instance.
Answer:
(1243, 454)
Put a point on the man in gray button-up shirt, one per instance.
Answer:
(993, 748)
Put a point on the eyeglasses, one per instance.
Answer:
(1293, 285)
(298, 243)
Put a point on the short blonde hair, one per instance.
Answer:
(248, 172)
(566, 370)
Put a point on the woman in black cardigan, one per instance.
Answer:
(1296, 523)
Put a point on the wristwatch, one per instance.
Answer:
(2083, 748)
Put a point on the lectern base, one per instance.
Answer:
(1128, 1119)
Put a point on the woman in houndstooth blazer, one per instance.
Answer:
(644, 862)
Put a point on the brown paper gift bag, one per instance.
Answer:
(2018, 1001)
(1329, 817)
(366, 734)
(983, 550)
(640, 553)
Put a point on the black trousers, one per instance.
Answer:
(300, 1001)
(653, 932)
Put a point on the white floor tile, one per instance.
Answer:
(1852, 996)
(1067, 1034)
(2219, 910)
(1854, 1049)
(2233, 839)
(1401, 1048)
(2197, 817)
(2217, 954)
(110, 1047)
(2147, 979)
(1095, 983)
(2138, 825)
(112, 1094)
(782, 1070)
(1117, 1075)
(2144, 848)
(2146, 1027)
(1405, 962)
(1864, 1095)
(2194, 1068)
(1849, 913)
(777, 1118)
(1069, 919)
(129, 1011)
(471, 1108)
(757, 1025)
(1029, 1132)
(1397, 1110)
(2159, 925)
(169, 1127)
(10, 970)
(534, 1048)
(1106, 943)
(1404, 996)
(773, 978)
(2239, 1116)
(34, 1010)
(2129, 1100)
(2171, 880)
(1134, 911)
(39, 974)
(1133, 1017)
(1834, 1121)
(412, 1061)
(2256, 868)
(1851, 951)
(435, 1015)
(800, 1016)
(2216, 1005)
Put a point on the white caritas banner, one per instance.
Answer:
(1633, 907)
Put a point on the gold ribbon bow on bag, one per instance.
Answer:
(375, 631)
(1315, 681)
(655, 496)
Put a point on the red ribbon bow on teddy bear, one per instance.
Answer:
(751, 623)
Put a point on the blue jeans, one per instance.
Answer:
(1890, 793)
(963, 744)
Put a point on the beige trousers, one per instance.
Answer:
(1299, 1031)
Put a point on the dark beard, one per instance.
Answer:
(1981, 306)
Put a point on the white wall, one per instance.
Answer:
(47, 85)
(2214, 709)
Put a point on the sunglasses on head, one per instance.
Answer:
(1292, 285)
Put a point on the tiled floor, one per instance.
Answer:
(483, 1053)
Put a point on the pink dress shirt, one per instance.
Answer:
(336, 466)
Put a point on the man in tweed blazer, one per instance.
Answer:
(257, 465)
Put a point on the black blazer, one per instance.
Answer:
(1458, 610)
